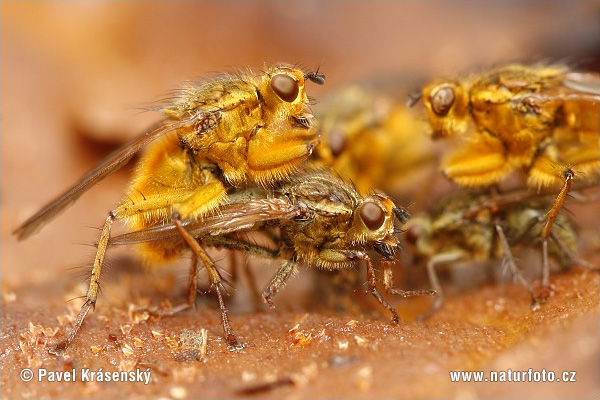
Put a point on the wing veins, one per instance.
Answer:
(230, 218)
(107, 167)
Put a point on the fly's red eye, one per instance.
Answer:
(372, 215)
(442, 101)
(285, 87)
(337, 141)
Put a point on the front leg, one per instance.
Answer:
(372, 282)
(479, 162)
(278, 281)
(388, 283)
(434, 280)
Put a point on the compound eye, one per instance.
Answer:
(372, 215)
(285, 87)
(337, 142)
(442, 101)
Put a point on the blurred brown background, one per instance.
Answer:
(73, 73)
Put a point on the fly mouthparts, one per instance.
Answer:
(385, 250)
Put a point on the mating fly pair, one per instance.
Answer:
(225, 161)
(541, 120)
(226, 133)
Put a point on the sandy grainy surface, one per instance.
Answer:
(306, 354)
(72, 75)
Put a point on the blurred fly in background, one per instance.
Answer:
(542, 120)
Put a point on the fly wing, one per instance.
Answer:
(581, 87)
(236, 217)
(197, 108)
(584, 82)
(107, 167)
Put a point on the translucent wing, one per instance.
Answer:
(247, 215)
(581, 87)
(196, 107)
(107, 167)
(584, 83)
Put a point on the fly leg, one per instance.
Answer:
(388, 283)
(435, 282)
(481, 162)
(193, 282)
(234, 243)
(547, 231)
(281, 276)
(216, 281)
(191, 297)
(236, 269)
(92, 293)
(372, 283)
(509, 261)
(278, 281)
(124, 210)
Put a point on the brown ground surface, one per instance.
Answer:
(309, 353)
(69, 72)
